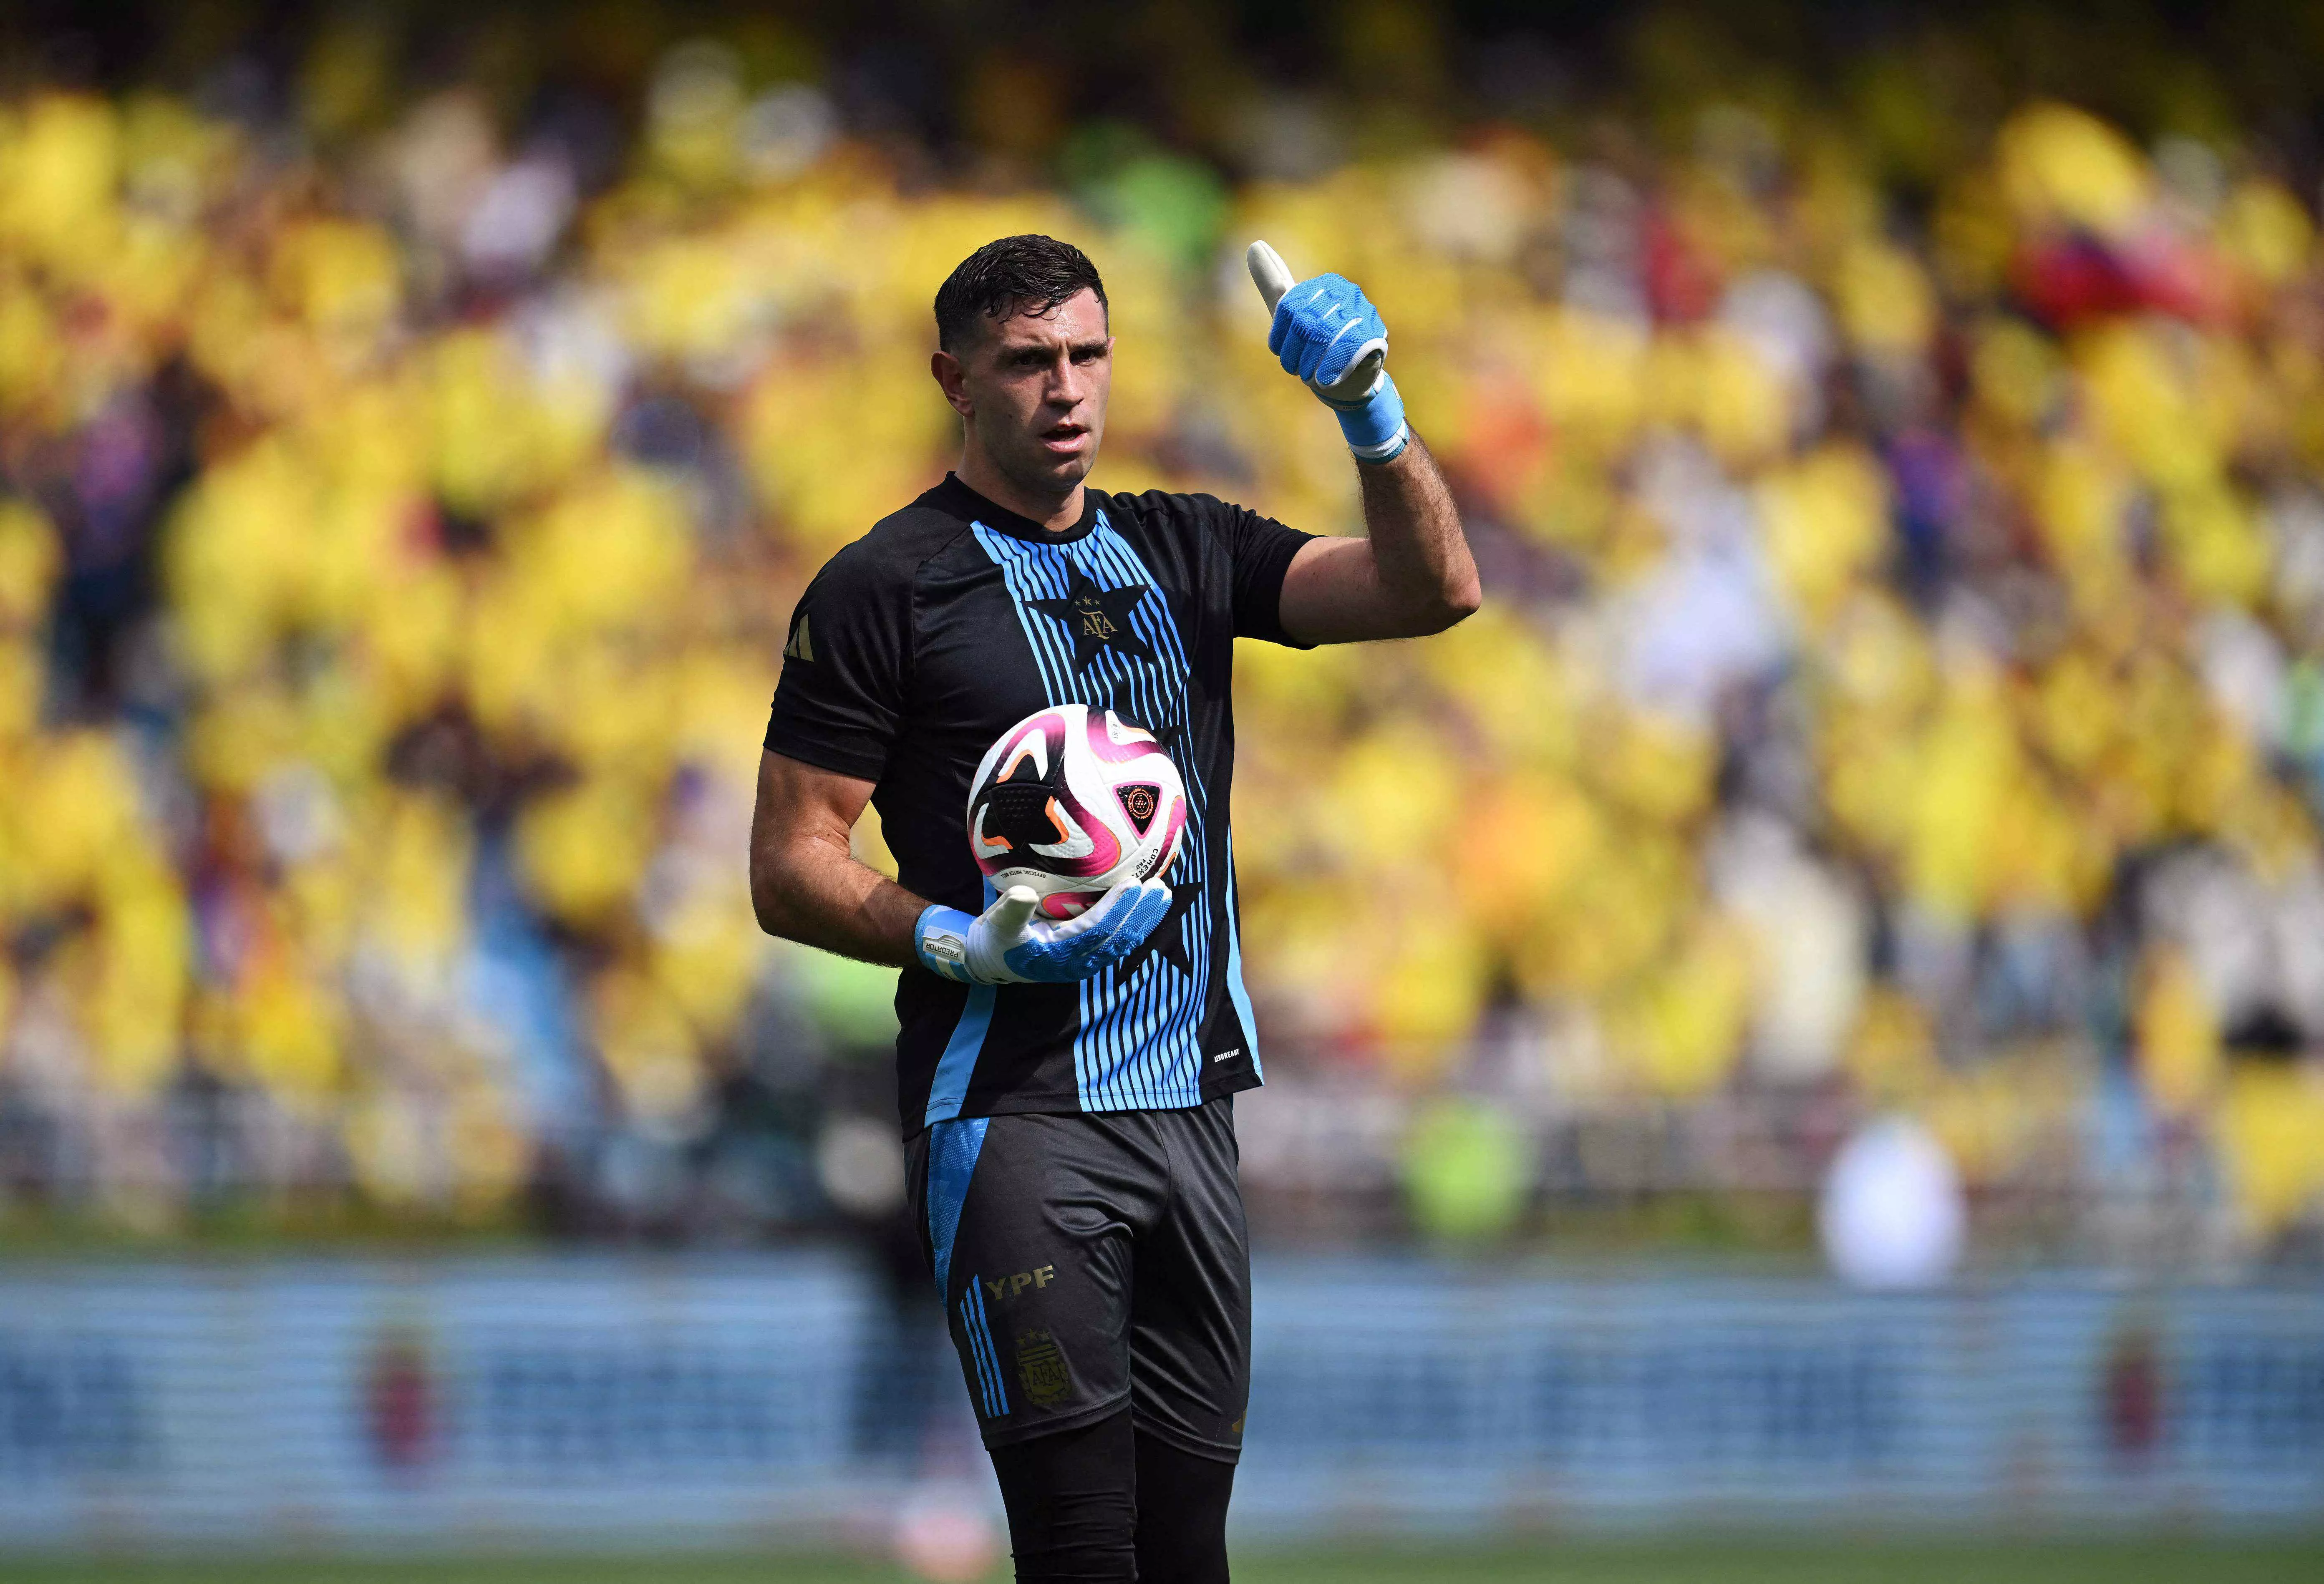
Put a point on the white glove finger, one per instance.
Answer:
(1270, 273)
(1011, 913)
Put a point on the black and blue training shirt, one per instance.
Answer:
(918, 645)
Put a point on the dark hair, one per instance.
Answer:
(1015, 275)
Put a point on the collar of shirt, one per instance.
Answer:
(956, 497)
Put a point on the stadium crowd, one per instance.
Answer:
(1902, 686)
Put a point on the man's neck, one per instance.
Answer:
(977, 472)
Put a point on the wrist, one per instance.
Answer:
(1374, 426)
(940, 941)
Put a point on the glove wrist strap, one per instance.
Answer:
(940, 941)
(1374, 428)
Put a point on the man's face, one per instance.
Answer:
(1033, 388)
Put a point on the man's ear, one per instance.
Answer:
(953, 380)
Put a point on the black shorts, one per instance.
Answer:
(1091, 1259)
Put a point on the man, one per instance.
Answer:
(1067, 1086)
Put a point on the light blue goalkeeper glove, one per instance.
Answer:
(1327, 332)
(1009, 944)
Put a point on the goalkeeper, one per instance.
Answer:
(1066, 1088)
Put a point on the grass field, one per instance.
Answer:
(1743, 1562)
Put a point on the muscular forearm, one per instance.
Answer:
(1410, 575)
(814, 892)
(1420, 555)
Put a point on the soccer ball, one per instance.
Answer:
(1073, 801)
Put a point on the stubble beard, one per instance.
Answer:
(1040, 479)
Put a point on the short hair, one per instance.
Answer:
(1014, 275)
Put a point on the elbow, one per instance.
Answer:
(771, 917)
(769, 921)
(1453, 604)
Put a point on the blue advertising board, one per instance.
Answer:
(718, 1401)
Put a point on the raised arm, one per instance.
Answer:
(1411, 575)
(806, 884)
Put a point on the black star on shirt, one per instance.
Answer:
(1170, 936)
(1097, 618)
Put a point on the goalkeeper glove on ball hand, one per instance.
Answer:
(1327, 332)
(1009, 944)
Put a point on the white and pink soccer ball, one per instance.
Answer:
(1072, 801)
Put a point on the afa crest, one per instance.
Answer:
(1041, 1369)
(1097, 620)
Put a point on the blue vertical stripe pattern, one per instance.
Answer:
(948, 1091)
(979, 1345)
(1237, 991)
(1140, 1044)
(953, 1148)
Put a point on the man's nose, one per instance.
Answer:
(1065, 387)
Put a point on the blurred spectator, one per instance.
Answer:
(1903, 689)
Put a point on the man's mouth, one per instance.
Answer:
(1063, 437)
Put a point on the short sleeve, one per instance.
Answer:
(846, 667)
(1262, 549)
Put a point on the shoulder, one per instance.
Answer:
(1164, 511)
(889, 557)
